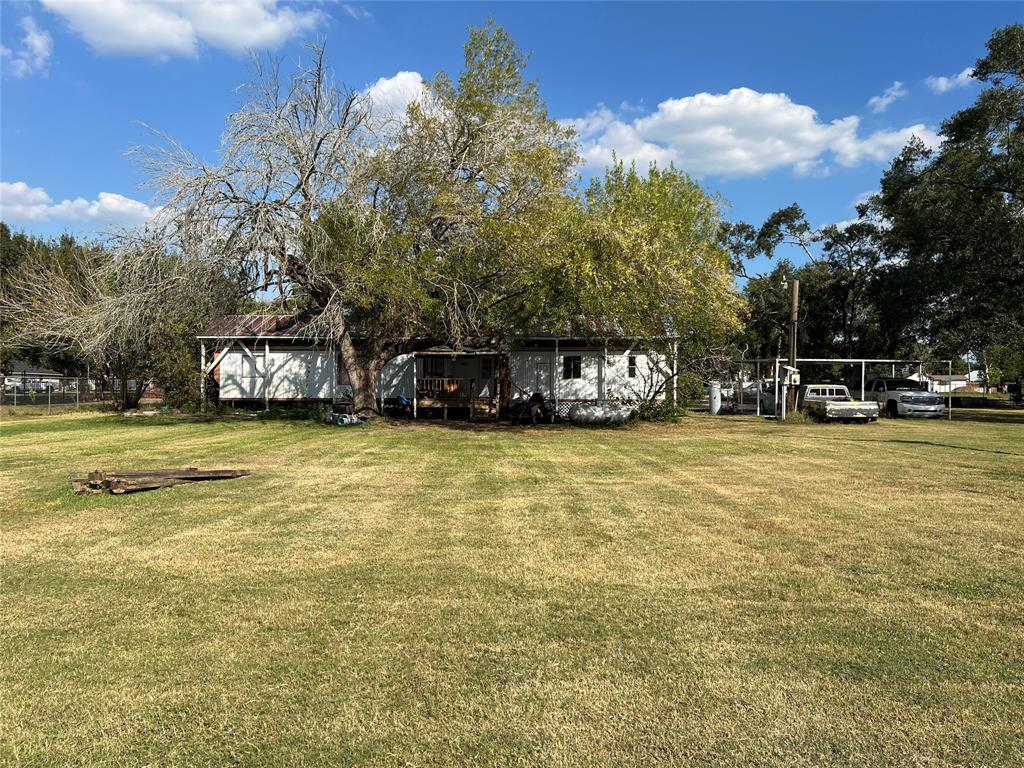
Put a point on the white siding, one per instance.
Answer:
(650, 373)
(600, 378)
(299, 373)
(294, 374)
(531, 372)
(397, 376)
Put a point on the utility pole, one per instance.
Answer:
(794, 324)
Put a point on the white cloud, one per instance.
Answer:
(357, 12)
(390, 97)
(739, 133)
(860, 199)
(940, 84)
(21, 203)
(161, 28)
(34, 55)
(881, 103)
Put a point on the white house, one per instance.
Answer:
(273, 358)
(940, 382)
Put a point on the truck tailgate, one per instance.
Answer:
(851, 409)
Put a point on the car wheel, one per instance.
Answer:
(892, 410)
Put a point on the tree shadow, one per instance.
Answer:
(990, 415)
(904, 441)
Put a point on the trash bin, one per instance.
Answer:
(715, 397)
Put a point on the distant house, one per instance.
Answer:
(22, 370)
(941, 382)
(275, 358)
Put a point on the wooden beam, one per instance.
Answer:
(216, 360)
(253, 358)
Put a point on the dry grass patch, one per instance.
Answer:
(722, 591)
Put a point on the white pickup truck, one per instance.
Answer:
(905, 397)
(832, 402)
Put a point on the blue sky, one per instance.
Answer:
(766, 103)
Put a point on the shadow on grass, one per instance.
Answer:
(899, 441)
(990, 415)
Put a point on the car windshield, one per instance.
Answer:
(905, 384)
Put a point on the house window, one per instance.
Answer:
(632, 366)
(486, 367)
(433, 367)
(572, 367)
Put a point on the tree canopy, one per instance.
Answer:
(458, 222)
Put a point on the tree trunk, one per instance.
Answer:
(364, 375)
(125, 397)
(363, 366)
(135, 395)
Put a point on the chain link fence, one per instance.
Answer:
(53, 391)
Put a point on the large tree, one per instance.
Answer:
(955, 215)
(131, 311)
(456, 222)
(839, 285)
(351, 216)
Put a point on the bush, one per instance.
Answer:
(660, 410)
(297, 412)
(689, 389)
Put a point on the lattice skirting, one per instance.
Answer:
(564, 406)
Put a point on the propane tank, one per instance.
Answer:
(715, 397)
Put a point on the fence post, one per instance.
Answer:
(49, 389)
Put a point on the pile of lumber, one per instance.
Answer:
(133, 481)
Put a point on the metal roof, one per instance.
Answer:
(291, 327)
(581, 327)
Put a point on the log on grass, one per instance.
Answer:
(133, 481)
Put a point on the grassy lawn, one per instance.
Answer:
(717, 592)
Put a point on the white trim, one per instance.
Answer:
(218, 359)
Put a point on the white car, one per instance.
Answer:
(833, 402)
(904, 397)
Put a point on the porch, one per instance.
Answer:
(446, 393)
(444, 382)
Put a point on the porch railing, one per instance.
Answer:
(444, 389)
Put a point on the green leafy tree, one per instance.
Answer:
(648, 254)
(955, 215)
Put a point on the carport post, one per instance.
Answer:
(863, 366)
(554, 377)
(675, 371)
(415, 398)
(757, 376)
(775, 408)
(949, 391)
